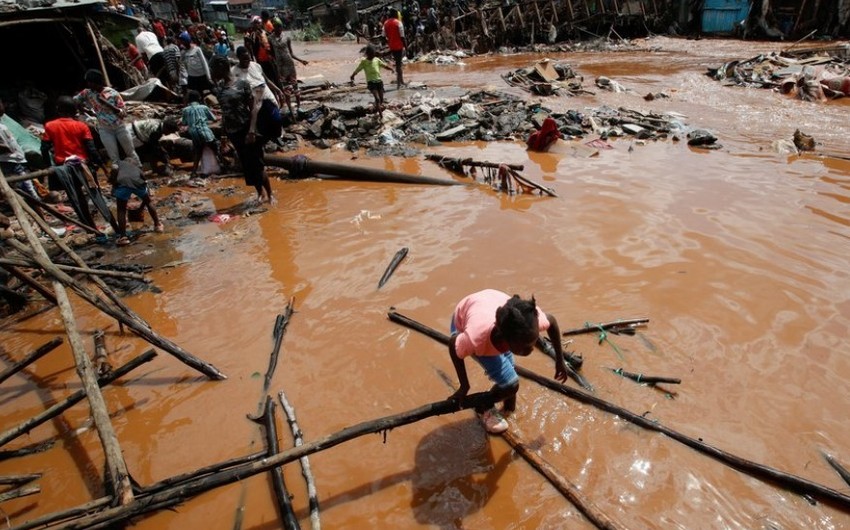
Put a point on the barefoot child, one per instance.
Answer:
(371, 66)
(491, 327)
(129, 182)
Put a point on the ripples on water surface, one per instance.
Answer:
(737, 256)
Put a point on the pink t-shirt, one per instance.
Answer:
(475, 318)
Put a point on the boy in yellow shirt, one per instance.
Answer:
(371, 66)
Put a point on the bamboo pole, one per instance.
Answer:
(36, 354)
(284, 503)
(115, 464)
(178, 494)
(73, 399)
(83, 270)
(303, 167)
(306, 472)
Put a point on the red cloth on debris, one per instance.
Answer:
(541, 140)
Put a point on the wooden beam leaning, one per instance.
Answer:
(83, 270)
(37, 354)
(31, 282)
(115, 465)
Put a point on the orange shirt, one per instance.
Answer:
(68, 136)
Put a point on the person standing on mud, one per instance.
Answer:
(492, 327)
(394, 33)
(240, 105)
(284, 59)
(257, 42)
(371, 66)
(128, 182)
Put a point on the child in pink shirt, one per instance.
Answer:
(491, 327)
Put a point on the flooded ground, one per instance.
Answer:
(738, 257)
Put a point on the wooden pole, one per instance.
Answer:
(280, 324)
(14, 179)
(116, 467)
(96, 43)
(284, 503)
(37, 354)
(439, 159)
(83, 270)
(81, 263)
(306, 472)
(73, 399)
(19, 492)
(27, 450)
(19, 480)
(57, 214)
(754, 469)
(841, 470)
(32, 282)
(178, 494)
(303, 167)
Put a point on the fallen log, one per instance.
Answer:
(786, 480)
(615, 327)
(302, 167)
(306, 472)
(37, 354)
(182, 492)
(392, 266)
(14, 179)
(73, 399)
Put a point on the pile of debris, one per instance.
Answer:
(547, 79)
(812, 75)
(480, 116)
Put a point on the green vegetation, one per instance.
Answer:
(311, 32)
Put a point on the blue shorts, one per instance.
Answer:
(499, 368)
(123, 193)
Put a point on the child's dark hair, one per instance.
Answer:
(95, 77)
(193, 96)
(517, 319)
(66, 107)
(370, 50)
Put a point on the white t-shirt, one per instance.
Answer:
(148, 44)
(254, 75)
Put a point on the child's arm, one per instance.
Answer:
(385, 66)
(460, 368)
(554, 333)
(359, 67)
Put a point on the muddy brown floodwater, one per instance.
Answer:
(738, 257)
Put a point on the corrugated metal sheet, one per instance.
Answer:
(721, 16)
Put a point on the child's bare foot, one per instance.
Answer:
(159, 228)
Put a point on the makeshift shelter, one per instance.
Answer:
(70, 42)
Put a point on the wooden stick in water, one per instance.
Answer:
(37, 354)
(400, 255)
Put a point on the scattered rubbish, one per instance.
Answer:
(545, 79)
